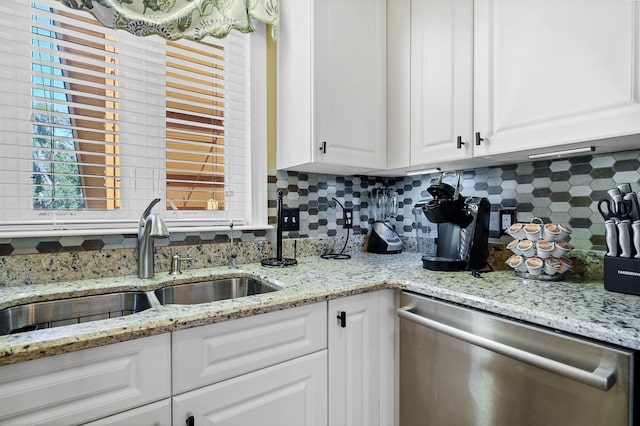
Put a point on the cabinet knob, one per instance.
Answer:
(478, 139)
(323, 147)
(342, 319)
(459, 142)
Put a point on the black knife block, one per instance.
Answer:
(622, 275)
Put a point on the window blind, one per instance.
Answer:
(206, 123)
(94, 123)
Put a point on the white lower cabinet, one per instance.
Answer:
(209, 354)
(82, 386)
(293, 393)
(281, 368)
(155, 414)
(362, 364)
(266, 369)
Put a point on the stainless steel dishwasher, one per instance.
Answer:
(460, 366)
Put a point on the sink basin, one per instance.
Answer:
(56, 313)
(211, 291)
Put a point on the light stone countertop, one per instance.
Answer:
(582, 308)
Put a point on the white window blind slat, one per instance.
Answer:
(97, 122)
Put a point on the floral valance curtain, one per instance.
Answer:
(174, 19)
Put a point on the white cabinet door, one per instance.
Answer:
(550, 73)
(361, 360)
(441, 81)
(156, 414)
(82, 386)
(332, 85)
(430, 84)
(209, 354)
(293, 393)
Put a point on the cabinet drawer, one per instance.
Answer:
(156, 414)
(209, 354)
(293, 393)
(82, 386)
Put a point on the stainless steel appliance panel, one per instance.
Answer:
(460, 366)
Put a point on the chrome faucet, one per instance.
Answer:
(151, 226)
(232, 253)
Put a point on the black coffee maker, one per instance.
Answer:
(463, 228)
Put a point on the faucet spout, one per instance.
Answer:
(232, 253)
(151, 226)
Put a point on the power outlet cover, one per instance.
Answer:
(347, 217)
(291, 219)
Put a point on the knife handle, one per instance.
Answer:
(636, 237)
(624, 238)
(634, 208)
(624, 188)
(611, 236)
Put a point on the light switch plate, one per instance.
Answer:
(291, 219)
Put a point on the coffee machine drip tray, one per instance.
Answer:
(443, 264)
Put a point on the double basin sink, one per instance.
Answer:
(59, 312)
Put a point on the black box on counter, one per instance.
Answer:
(622, 275)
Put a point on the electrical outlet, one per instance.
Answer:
(347, 217)
(291, 219)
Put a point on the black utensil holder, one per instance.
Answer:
(622, 275)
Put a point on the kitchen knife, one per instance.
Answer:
(613, 192)
(611, 237)
(624, 238)
(616, 198)
(624, 188)
(634, 209)
(636, 237)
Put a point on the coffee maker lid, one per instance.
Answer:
(442, 190)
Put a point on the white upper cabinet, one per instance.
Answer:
(441, 80)
(525, 76)
(552, 73)
(331, 86)
(430, 84)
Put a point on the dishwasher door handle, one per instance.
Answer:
(600, 378)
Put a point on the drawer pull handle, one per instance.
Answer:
(342, 319)
(191, 421)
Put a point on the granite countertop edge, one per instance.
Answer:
(581, 308)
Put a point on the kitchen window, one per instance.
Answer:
(95, 123)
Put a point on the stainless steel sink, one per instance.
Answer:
(211, 291)
(56, 313)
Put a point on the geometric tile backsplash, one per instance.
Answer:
(559, 191)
